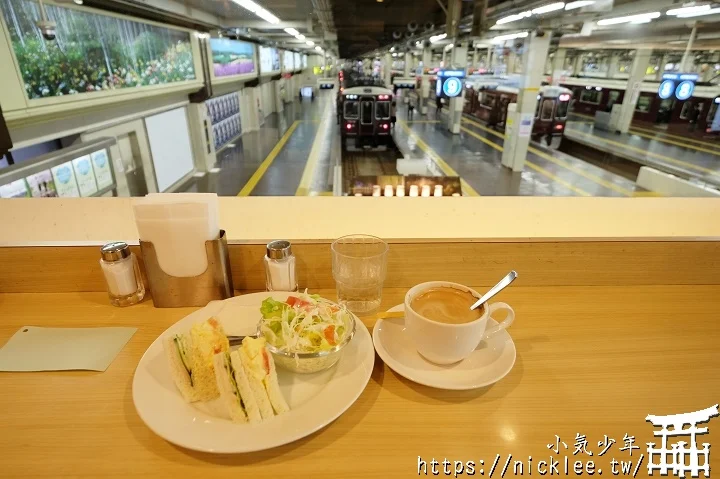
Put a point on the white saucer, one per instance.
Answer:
(489, 363)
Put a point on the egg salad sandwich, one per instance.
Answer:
(190, 357)
(248, 384)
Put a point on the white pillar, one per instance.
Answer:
(533, 61)
(408, 64)
(661, 68)
(613, 65)
(474, 58)
(387, 70)
(632, 90)
(558, 65)
(510, 63)
(442, 62)
(578, 64)
(686, 63)
(425, 85)
(489, 58)
(458, 60)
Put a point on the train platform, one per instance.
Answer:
(294, 152)
(688, 158)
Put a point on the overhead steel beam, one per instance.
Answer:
(263, 25)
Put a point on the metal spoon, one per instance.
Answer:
(504, 283)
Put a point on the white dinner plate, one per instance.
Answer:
(490, 362)
(315, 399)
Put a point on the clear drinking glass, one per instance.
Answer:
(359, 264)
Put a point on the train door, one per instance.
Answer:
(502, 112)
(665, 111)
(544, 123)
(366, 116)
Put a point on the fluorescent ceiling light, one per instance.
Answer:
(579, 4)
(392, 49)
(300, 37)
(712, 11)
(310, 43)
(437, 38)
(548, 8)
(628, 19)
(394, 54)
(418, 43)
(258, 10)
(684, 10)
(291, 31)
(318, 48)
(640, 20)
(514, 18)
(510, 36)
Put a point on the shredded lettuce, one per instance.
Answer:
(310, 325)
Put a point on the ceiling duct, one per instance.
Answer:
(397, 35)
(412, 27)
(429, 26)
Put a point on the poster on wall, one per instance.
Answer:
(16, 189)
(224, 114)
(297, 61)
(269, 60)
(93, 52)
(232, 57)
(101, 165)
(85, 176)
(41, 185)
(64, 179)
(288, 61)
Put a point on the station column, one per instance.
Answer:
(533, 62)
(632, 90)
(408, 64)
(558, 65)
(458, 61)
(387, 70)
(613, 65)
(425, 86)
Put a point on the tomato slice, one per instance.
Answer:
(294, 301)
(266, 361)
(329, 333)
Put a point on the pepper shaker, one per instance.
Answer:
(122, 274)
(280, 267)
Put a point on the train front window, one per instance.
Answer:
(547, 109)
(351, 110)
(562, 109)
(382, 109)
(367, 112)
(590, 96)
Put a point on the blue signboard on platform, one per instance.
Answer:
(684, 90)
(452, 87)
(451, 74)
(666, 90)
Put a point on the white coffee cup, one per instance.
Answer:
(448, 343)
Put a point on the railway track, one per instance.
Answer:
(371, 162)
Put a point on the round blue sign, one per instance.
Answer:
(666, 89)
(63, 174)
(452, 87)
(684, 90)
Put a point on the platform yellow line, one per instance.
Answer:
(530, 164)
(672, 142)
(649, 153)
(303, 188)
(447, 169)
(255, 178)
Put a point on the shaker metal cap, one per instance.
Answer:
(115, 251)
(279, 249)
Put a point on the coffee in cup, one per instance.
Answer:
(442, 326)
(447, 305)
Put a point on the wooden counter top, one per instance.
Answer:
(591, 360)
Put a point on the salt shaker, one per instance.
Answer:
(122, 274)
(280, 267)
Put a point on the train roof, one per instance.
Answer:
(701, 91)
(367, 90)
(547, 91)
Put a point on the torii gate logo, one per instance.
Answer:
(682, 459)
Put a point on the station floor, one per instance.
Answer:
(293, 153)
(691, 158)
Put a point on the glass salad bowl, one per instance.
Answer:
(312, 362)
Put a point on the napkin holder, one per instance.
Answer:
(215, 283)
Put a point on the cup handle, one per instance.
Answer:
(505, 324)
